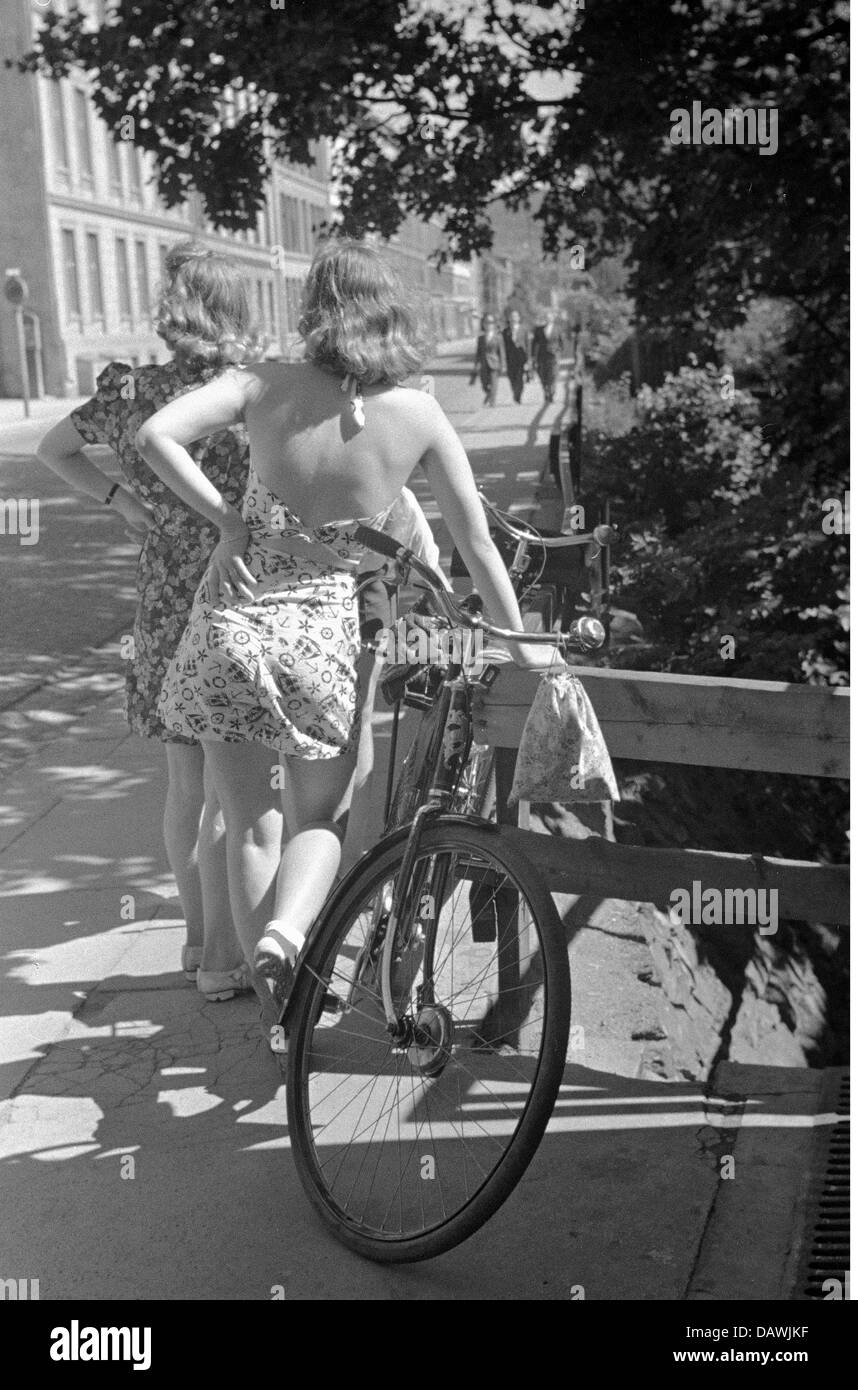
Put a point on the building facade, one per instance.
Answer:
(84, 226)
(82, 223)
(451, 293)
(496, 284)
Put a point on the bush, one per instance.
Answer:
(724, 558)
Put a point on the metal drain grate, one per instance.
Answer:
(825, 1256)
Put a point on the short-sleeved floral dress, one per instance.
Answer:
(177, 548)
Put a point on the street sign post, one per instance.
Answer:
(17, 293)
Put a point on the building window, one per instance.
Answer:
(93, 274)
(292, 294)
(317, 219)
(71, 278)
(59, 133)
(290, 223)
(144, 294)
(272, 310)
(307, 227)
(260, 303)
(114, 165)
(123, 282)
(318, 151)
(84, 136)
(163, 252)
(135, 160)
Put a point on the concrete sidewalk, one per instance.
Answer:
(143, 1131)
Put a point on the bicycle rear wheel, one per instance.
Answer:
(406, 1150)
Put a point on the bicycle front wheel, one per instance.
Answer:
(407, 1145)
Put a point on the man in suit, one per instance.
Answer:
(490, 359)
(546, 346)
(515, 347)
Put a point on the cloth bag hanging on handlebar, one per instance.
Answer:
(562, 755)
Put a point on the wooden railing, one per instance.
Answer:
(650, 716)
(764, 726)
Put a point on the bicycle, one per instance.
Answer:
(413, 685)
(429, 1015)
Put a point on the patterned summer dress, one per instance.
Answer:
(178, 545)
(279, 669)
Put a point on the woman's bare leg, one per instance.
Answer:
(182, 811)
(318, 794)
(221, 950)
(247, 789)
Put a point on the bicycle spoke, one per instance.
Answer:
(408, 1122)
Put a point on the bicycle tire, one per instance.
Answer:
(521, 1079)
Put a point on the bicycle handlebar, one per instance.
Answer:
(386, 545)
(587, 633)
(600, 535)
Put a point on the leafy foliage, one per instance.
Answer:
(443, 109)
(723, 539)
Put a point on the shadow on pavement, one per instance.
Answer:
(148, 1157)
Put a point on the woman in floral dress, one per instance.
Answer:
(267, 665)
(205, 318)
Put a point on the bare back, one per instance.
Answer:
(308, 449)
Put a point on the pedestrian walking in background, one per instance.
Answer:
(205, 318)
(490, 358)
(546, 345)
(515, 350)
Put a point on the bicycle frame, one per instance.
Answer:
(450, 741)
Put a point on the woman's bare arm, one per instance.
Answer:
(449, 474)
(61, 450)
(164, 438)
(163, 442)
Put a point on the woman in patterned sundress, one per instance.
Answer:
(205, 318)
(266, 667)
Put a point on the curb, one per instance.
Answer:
(772, 1153)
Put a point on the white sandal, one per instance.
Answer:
(219, 985)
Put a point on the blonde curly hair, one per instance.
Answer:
(357, 319)
(204, 313)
